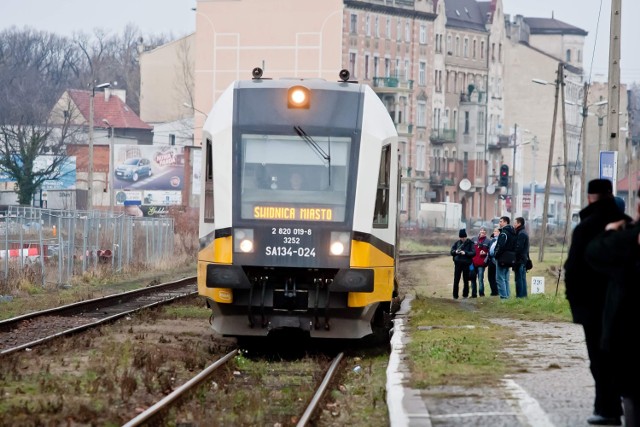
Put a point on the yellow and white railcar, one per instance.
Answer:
(298, 215)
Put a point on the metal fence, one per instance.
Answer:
(60, 244)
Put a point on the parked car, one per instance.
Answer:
(133, 169)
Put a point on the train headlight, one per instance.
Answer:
(243, 240)
(340, 243)
(298, 97)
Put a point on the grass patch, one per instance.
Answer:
(453, 345)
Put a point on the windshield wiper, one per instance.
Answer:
(302, 134)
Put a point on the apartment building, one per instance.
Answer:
(456, 76)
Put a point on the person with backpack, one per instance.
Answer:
(481, 246)
(462, 252)
(505, 255)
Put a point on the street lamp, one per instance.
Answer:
(91, 108)
(186, 104)
(110, 180)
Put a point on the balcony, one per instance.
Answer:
(441, 136)
(404, 128)
(391, 84)
(439, 179)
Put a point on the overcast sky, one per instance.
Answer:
(68, 16)
(584, 14)
(177, 17)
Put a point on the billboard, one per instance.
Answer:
(67, 169)
(151, 174)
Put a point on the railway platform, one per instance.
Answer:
(555, 390)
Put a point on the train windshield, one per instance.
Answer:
(295, 178)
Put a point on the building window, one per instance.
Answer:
(388, 28)
(387, 67)
(420, 156)
(352, 63)
(481, 123)
(407, 32)
(423, 34)
(568, 55)
(353, 24)
(421, 119)
(466, 123)
(457, 46)
(376, 66)
(376, 27)
(366, 67)
(493, 51)
(172, 139)
(454, 125)
(367, 25)
(449, 47)
(465, 48)
(422, 74)
(474, 48)
(482, 49)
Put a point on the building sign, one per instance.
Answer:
(609, 166)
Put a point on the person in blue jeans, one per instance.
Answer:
(481, 246)
(522, 256)
(505, 256)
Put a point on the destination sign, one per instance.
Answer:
(293, 213)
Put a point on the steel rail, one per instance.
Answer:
(177, 393)
(320, 392)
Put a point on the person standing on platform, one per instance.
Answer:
(491, 263)
(586, 291)
(462, 252)
(616, 252)
(481, 246)
(505, 254)
(522, 256)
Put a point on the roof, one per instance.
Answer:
(119, 114)
(623, 184)
(552, 26)
(467, 14)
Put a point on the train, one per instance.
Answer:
(299, 209)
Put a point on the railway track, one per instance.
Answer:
(284, 370)
(35, 328)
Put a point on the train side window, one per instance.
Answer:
(381, 210)
(208, 184)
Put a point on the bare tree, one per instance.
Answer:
(22, 143)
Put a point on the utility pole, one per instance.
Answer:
(583, 169)
(547, 187)
(613, 121)
(568, 173)
(91, 113)
(513, 172)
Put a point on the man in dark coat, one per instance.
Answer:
(586, 292)
(462, 252)
(522, 256)
(616, 252)
(505, 256)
